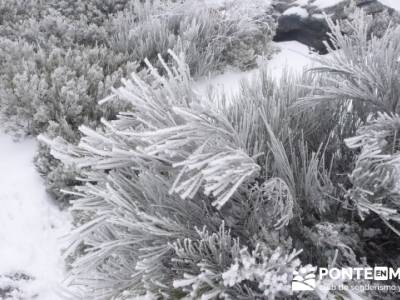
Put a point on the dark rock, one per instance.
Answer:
(310, 31)
(313, 31)
(361, 3)
(374, 8)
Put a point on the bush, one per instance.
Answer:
(361, 76)
(365, 69)
(204, 198)
(204, 203)
(234, 34)
(58, 58)
(364, 74)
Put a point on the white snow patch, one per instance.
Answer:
(30, 225)
(326, 3)
(227, 84)
(301, 2)
(301, 12)
(292, 56)
(395, 4)
(318, 16)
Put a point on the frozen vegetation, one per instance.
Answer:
(182, 154)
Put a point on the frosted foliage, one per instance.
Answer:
(270, 273)
(188, 196)
(376, 176)
(201, 164)
(365, 69)
(59, 58)
(362, 72)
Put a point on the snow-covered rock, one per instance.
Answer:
(298, 11)
(322, 4)
(308, 30)
(304, 21)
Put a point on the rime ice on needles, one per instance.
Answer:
(170, 165)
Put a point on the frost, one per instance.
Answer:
(271, 274)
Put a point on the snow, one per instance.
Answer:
(227, 83)
(327, 3)
(301, 12)
(292, 55)
(318, 16)
(395, 4)
(301, 2)
(30, 226)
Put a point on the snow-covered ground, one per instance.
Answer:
(395, 4)
(31, 266)
(292, 56)
(327, 3)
